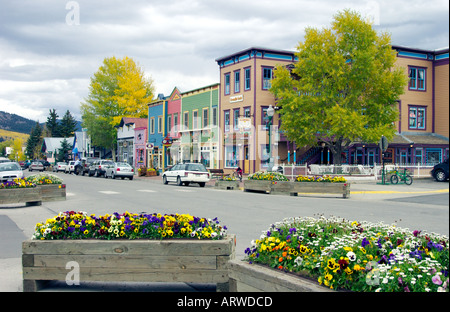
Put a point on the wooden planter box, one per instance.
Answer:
(227, 185)
(321, 188)
(257, 185)
(245, 277)
(53, 192)
(32, 196)
(151, 173)
(187, 261)
(295, 188)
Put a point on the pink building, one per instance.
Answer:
(173, 124)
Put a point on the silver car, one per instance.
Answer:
(119, 170)
(186, 174)
(70, 167)
(10, 171)
(60, 166)
(36, 165)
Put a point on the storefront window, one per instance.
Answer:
(231, 156)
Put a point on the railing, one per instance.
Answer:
(375, 171)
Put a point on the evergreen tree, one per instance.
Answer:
(68, 125)
(63, 152)
(34, 142)
(52, 124)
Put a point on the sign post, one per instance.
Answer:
(383, 146)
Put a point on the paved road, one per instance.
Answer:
(423, 205)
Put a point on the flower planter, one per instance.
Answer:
(320, 188)
(32, 196)
(245, 277)
(151, 173)
(257, 185)
(174, 260)
(227, 185)
(52, 192)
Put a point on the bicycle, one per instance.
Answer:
(237, 175)
(398, 176)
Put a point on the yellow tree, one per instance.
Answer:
(344, 87)
(118, 89)
(17, 153)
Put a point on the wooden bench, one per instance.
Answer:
(217, 173)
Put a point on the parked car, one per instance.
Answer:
(86, 163)
(440, 171)
(60, 166)
(98, 167)
(45, 163)
(36, 165)
(10, 171)
(186, 174)
(70, 167)
(119, 170)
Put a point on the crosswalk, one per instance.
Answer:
(141, 191)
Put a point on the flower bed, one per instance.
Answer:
(267, 176)
(44, 179)
(356, 256)
(80, 225)
(20, 191)
(50, 186)
(17, 183)
(323, 179)
(128, 248)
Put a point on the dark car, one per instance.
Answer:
(440, 171)
(86, 163)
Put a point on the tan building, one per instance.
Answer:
(245, 80)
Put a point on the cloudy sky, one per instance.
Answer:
(49, 49)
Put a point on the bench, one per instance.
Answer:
(217, 173)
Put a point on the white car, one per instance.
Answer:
(119, 170)
(61, 166)
(70, 167)
(186, 174)
(10, 171)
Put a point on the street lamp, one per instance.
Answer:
(270, 113)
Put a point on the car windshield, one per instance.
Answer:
(108, 163)
(196, 167)
(9, 167)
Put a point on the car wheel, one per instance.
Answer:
(113, 176)
(106, 176)
(440, 176)
(202, 184)
(131, 178)
(179, 183)
(165, 180)
(96, 174)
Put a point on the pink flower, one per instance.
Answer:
(436, 280)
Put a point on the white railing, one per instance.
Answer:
(416, 170)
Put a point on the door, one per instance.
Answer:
(246, 160)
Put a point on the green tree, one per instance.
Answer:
(34, 142)
(67, 125)
(63, 152)
(118, 89)
(52, 124)
(344, 87)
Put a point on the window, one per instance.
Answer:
(417, 78)
(417, 117)
(169, 123)
(236, 119)
(186, 120)
(227, 84)
(214, 116)
(419, 153)
(237, 81)
(227, 120)
(160, 126)
(231, 156)
(195, 119)
(175, 122)
(205, 117)
(247, 112)
(267, 78)
(152, 125)
(247, 79)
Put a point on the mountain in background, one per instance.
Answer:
(16, 123)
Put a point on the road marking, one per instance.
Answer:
(186, 191)
(109, 192)
(70, 194)
(147, 191)
(399, 192)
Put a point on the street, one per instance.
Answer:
(421, 206)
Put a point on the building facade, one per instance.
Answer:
(245, 80)
(172, 119)
(156, 132)
(126, 145)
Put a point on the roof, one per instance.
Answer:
(424, 138)
(138, 122)
(254, 49)
(53, 144)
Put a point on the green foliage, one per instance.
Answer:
(63, 152)
(34, 142)
(52, 124)
(343, 88)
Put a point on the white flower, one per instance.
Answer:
(351, 256)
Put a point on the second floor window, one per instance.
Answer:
(267, 78)
(227, 84)
(417, 117)
(417, 78)
(247, 79)
(237, 81)
(227, 121)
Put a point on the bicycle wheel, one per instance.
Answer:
(408, 180)
(394, 179)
